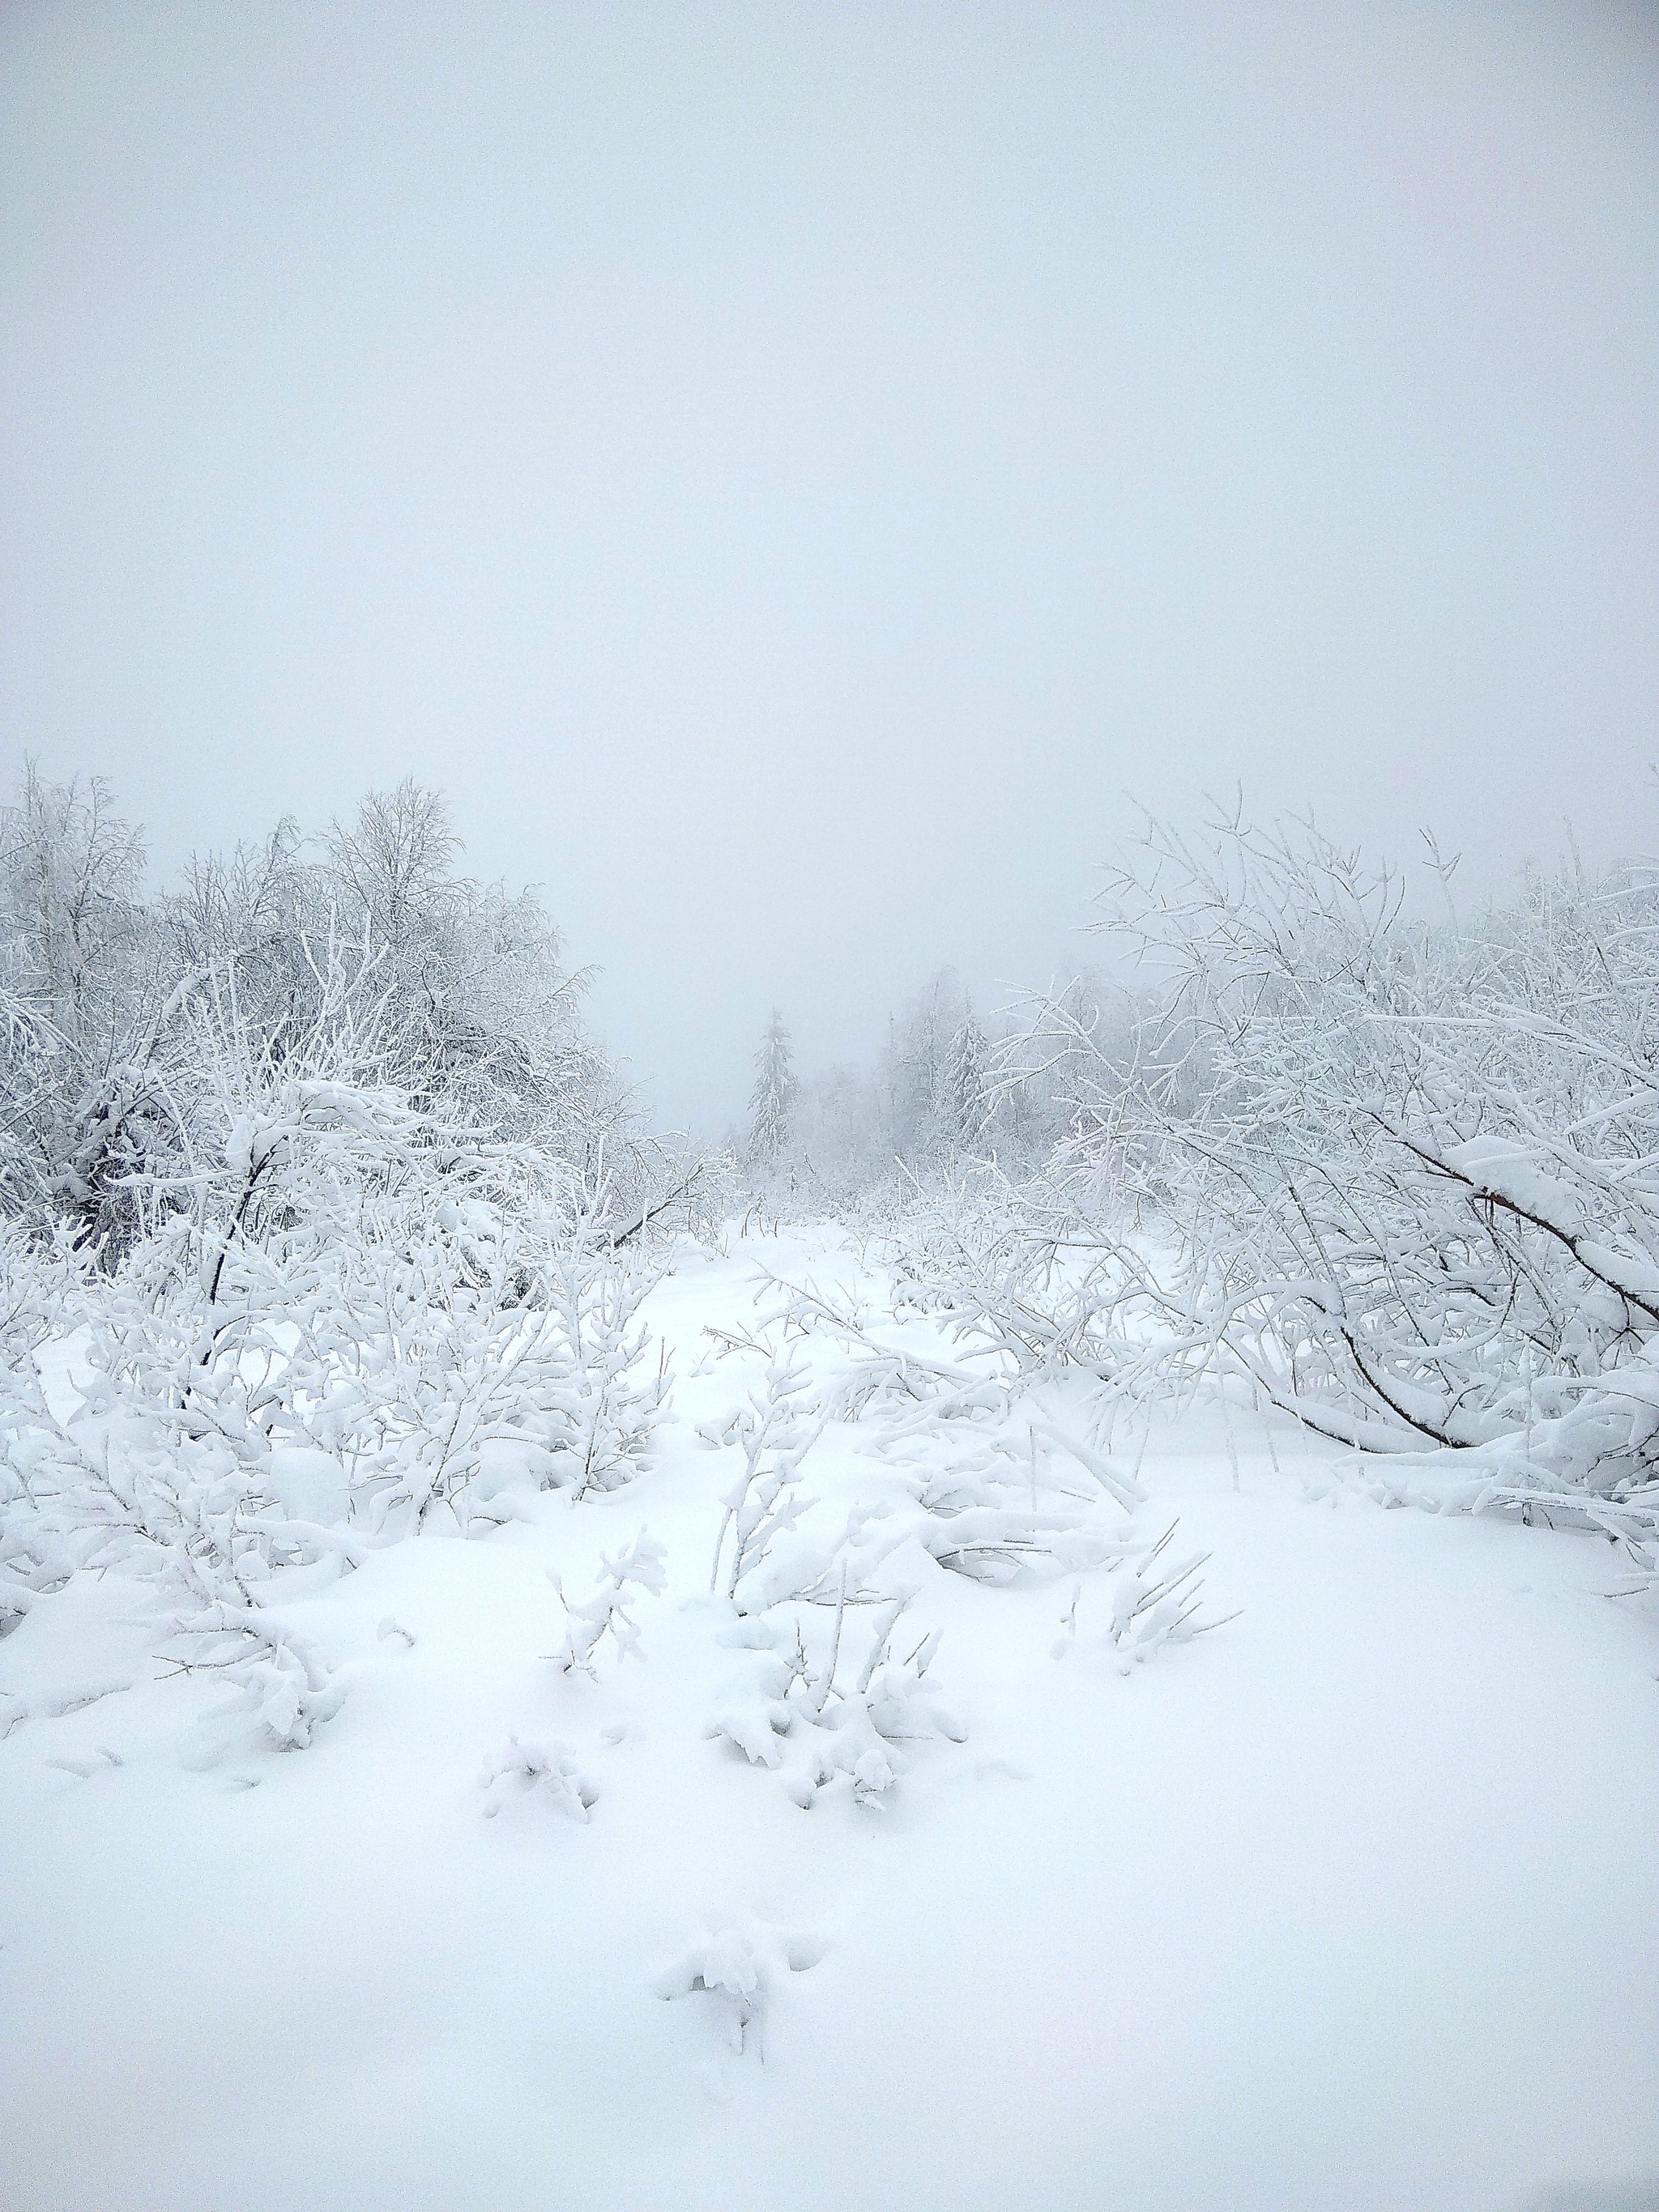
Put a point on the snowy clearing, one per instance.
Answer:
(1349, 1903)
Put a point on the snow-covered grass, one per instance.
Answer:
(1347, 1903)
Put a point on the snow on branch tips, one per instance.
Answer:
(605, 1613)
(1391, 1177)
(324, 1239)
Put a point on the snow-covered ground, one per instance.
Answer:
(1351, 1903)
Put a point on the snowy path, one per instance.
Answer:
(1351, 1903)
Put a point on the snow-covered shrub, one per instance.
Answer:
(351, 1280)
(1005, 1490)
(345, 1315)
(161, 1469)
(809, 1704)
(41, 1289)
(1153, 1603)
(614, 1397)
(877, 1371)
(546, 1773)
(1397, 1174)
(740, 1970)
(794, 1598)
(999, 1514)
(977, 1255)
(774, 1432)
(605, 1613)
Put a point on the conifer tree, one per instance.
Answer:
(963, 1111)
(772, 1102)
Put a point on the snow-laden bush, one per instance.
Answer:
(774, 1432)
(544, 1771)
(1153, 1603)
(829, 1697)
(336, 1331)
(739, 1970)
(1003, 1490)
(973, 1252)
(823, 1693)
(1398, 1175)
(639, 1565)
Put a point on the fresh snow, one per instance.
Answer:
(1348, 1903)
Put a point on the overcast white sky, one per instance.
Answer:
(786, 470)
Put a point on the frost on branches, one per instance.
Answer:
(313, 1301)
(462, 986)
(1396, 1177)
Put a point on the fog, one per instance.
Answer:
(789, 474)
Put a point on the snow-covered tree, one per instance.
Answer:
(962, 1092)
(87, 1054)
(477, 1017)
(772, 1102)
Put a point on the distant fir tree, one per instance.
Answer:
(772, 1102)
(962, 1102)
